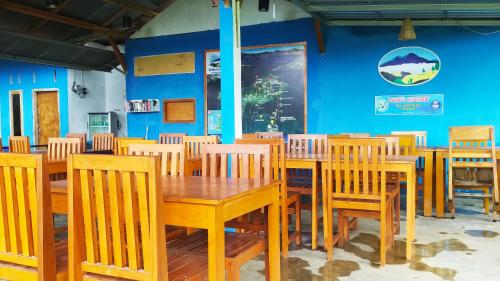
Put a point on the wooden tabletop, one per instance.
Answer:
(324, 157)
(198, 190)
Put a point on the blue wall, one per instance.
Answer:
(342, 82)
(22, 79)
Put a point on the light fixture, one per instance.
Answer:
(407, 32)
(51, 4)
(126, 22)
(263, 5)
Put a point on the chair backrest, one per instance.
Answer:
(278, 170)
(356, 135)
(420, 136)
(392, 145)
(117, 139)
(249, 136)
(115, 216)
(102, 142)
(60, 148)
(19, 144)
(123, 144)
(242, 160)
(307, 143)
(194, 144)
(172, 156)
(171, 138)
(82, 137)
(269, 135)
(358, 169)
(26, 226)
(407, 143)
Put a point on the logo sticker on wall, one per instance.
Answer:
(409, 66)
(409, 105)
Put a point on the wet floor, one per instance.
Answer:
(466, 248)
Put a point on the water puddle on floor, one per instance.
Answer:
(482, 233)
(295, 268)
(397, 255)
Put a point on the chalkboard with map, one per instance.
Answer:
(273, 89)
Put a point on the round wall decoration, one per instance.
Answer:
(409, 66)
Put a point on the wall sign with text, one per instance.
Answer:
(432, 104)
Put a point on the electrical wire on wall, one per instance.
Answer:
(475, 31)
(78, 89)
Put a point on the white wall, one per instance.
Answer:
(106, 93)
(115, 98)
(195, 15)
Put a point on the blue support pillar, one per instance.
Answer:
(230, 56)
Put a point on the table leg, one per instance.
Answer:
(440, 186)
(410, 211)
(216, 251)
(428, 170)
(314, 208)
(273, 239)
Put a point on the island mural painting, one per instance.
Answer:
(409, 66)
(273, 85)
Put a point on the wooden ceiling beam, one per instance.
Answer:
(319, 36)
(132, 6)
(8, 5)
(118, 53)
(54, 11)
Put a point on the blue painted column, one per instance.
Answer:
(230, 56)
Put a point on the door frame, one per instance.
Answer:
(35, 110)
(21, 110)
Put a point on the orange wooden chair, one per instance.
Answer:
(102, 142)
(116, 222)
(356, 135)
(247, 161)
(117, 139)
(269, 135)
(171, 138)
(28, 250)
(193, 146)
(123, 144)
(420, 136)
(249, 136)
(357, 187)
(472, 165)
(19, 144)
(290, 201)
(172, 156)
(60, 148)
(82, 137)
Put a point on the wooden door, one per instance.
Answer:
(47, 116)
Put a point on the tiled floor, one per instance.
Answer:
(466, 248)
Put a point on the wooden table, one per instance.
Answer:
(207, 203)
(402, 164)
(441, 156)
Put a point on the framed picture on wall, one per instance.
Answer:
(273, 85)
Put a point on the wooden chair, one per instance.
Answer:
(474, 169)
(193, 146)
(307, 143)
(123, 144)
(116, 222)
(247, 161)
(172, 156)
(249, 136)
(356, 187)
(171, 138)
(356, 135)
(60, 148)
(28, 250)
(102, 142)
(420, 136)
(82, 137)
(117, 139)
(289, 201)
(19, 144)
(269, 135)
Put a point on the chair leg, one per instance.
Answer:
(233, 272)
(397, 203)
(284, 229)
(486, 201)
(328, 221)
(340, 228)
(298, 222)
(383, 237)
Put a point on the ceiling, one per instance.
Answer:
(30, 31)
(392, 12)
